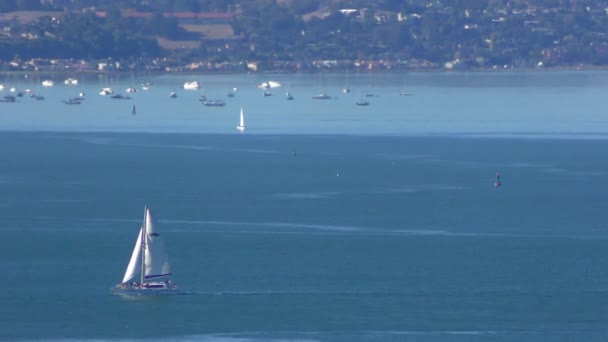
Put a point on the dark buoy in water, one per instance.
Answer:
(133, 111)
(497, 181)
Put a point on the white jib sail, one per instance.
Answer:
(134, 266)
(157, 261)
(242, 121)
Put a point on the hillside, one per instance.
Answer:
(410, 33)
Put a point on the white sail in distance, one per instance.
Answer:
(241, 126)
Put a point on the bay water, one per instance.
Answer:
(323, 221)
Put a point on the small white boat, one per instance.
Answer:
(172, 95)
(70, 81)
(241, 126)
(106, 91)
(47, 83)
(270, 84)
(131, 90)
(1, 87)
(213, 103)
(321, 96)
(194, 85)
(149, 261)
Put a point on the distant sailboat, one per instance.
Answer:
(241, 126)
(150, 261)
(405, 92)
(346, 89)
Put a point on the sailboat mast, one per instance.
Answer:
(143, 246)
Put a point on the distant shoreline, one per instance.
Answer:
(290, 72)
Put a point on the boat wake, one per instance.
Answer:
(358, 335)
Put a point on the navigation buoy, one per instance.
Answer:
(497, 181)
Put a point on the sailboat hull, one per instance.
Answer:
(147, 288)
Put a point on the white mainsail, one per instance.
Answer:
(156, 258)
(241, 126)
(134, 266)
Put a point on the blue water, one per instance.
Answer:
(310, 234)
(561, 104)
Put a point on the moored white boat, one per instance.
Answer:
(106, 91)
(270, 84)
(213, 103)
(47, 83)
(70, 81)
(194, 85)
(321, 96)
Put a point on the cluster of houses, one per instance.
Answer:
(549, 22)
(159, 65)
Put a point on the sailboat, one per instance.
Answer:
(405, 92)
(149, 261)
(241, 126)
(346, 89)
